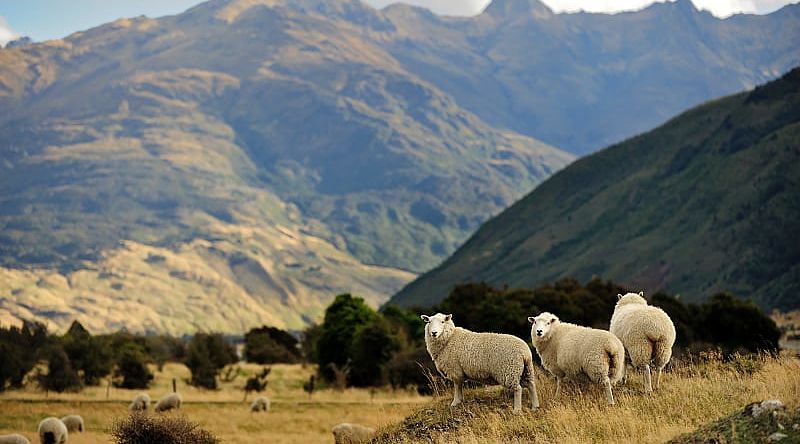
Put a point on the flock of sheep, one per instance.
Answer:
(567, 351)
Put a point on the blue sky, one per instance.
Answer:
(48, 19)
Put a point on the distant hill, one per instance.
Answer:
(237, 164)
(584, 81)
(708, 202)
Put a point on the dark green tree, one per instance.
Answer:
(269, 345)
(19, 349)
(206, 355)
(737, 325)
(132, 371)
(60, 376)
(90, 356)
(342, 320)
(372, 347)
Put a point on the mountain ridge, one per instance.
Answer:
(665, 210)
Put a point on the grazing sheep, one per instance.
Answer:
(52, 431)
(573, 352)
(646, 332)
(74, 423)
(461, 354)
(13, 439)
(260, 404)
(346, 433)
(169, 402)
(140, 403)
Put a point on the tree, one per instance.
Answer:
(372, 347)
(735, 324)
(132, 371)
(206, 355)
(90, 356)
(342, 319)
(60, 376)
(257, 383)
(269, 345)
(19, 349)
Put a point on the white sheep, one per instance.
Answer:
(646, 332)
(52, 431)
(461, 354)
(260, 404)
(74, 423)
(573, 352)
(14, 438)
(169, 402)
(140, 403)
(347, 433)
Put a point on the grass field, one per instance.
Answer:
(693, 394)
(294, 418)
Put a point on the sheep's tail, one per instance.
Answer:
(616, 361)
(662, 352)
(49, 438)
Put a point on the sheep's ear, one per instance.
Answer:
(555, 319)
(425, 318)
(641, 293)
(448, 317)
(531, 319)
(619, 296)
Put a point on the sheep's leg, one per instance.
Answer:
(657, 378)
(558, 387)
(609, 394)
(458, 396)
(534, 395)
(647, 386)
(517, 398)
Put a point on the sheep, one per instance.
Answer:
(140, 403)
(573, 352)
(169, 402)
(346, 433)
(52, 431)
(260, 404)
(74, 423)
(14, 439)
(460, 354)
(647, 333)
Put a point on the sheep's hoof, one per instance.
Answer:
(455, 403)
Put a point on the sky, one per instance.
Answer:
(49, 19)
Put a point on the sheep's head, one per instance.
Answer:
(438, 326)
(631, 298)
(542, 324)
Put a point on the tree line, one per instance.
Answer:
(356, 345)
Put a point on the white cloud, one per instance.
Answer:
(6, 33)
(720, 8)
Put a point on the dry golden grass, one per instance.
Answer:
(294, 418)
(691, 395)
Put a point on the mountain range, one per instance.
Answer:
(244, 161)
(708, 202)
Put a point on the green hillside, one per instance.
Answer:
(708, 202)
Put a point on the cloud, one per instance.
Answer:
(442, 7)
(6, 33)
(720, 8)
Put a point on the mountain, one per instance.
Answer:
(583, 81)
(237, 164)
(708, 202)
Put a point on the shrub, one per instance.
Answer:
(269, 345)
(143, 429)
(342, 319)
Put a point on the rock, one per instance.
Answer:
(768, 406)
(777, 436)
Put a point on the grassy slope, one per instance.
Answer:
(691, 395)
(702, 204)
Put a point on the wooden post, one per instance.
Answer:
(108, 389)
(174, 386)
